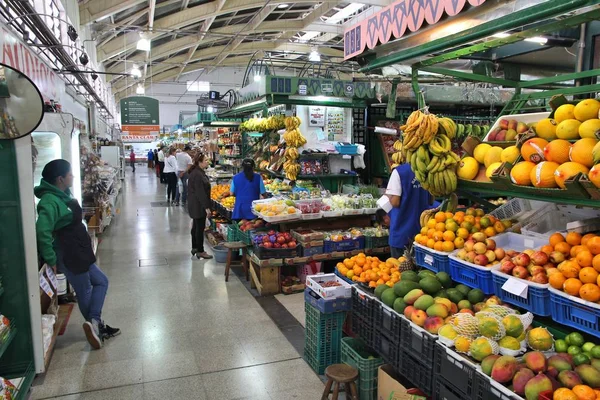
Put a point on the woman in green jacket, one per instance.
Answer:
(63, 241)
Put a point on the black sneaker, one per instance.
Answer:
(108, 332)
(194, 251)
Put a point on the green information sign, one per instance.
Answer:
(139, 110)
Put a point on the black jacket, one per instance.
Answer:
(198, 193)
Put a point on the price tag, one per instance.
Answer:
(46, 286)
(516, 287)
(52, 277)
(428, 259)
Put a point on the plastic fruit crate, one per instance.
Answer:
(419, 374)
(344, 245)
(456, 371)
(327, 306)
(436, 261)
(575, 312)
(342, 277)
(374, 242)
(512, 209)
(487, 389)
(387, 322)
(264, 254)
(417, 342)
(388, 349)
(363, 325)
(356, 354)
(538, 296)
(246, 236)
(322, 338)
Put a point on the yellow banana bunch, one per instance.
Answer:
(291, 153)
(292, 122)
(447, 127)
(291, 169)
(294, 138)
(398, 158)
(420, 128)
(398, 145)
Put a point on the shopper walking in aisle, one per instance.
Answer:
(184, 161)
(170, 173)
(63, 242)
(150, 159)
(408, 200)
(132, 159)
(161, 165)
(246, 186)
(199, 203)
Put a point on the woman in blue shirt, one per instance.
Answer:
(246, 186)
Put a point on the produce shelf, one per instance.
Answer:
(12, 332)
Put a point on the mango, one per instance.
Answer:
(408, 311)
(433, 324)
(513, 325)
(430, 285)
(448, 331)
(536, 385)
(418, 317)
(520, 379)
(489, 327)
(444, 301)
(559, 363)
(552, 372)
(464, 304)
(504, 369)
(437, 310)
(480, 348)
(535, 361)
(540, 339)
(423, 302)
(589, 375)
(479, 306)
(510, 343)
(399, 305)
(402, 287)
(596, 363)
(413, 296)
(488, 363)
(569, 379)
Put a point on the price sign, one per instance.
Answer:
(428, 260)
(516, 287)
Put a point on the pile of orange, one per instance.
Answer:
(448, 231)
(578, 392)
(579, 273)
(370, 270)
(218, 191)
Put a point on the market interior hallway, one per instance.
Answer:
(186, 333)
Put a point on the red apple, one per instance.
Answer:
(540, 278)
(556, 257)
(500, 253)
(281, 240)
(511, 253)
(522, 260)
(471, 256)
(481, 259)
(480, 248)
(539, 258)
(503, 124)
(266, 239)
(491, 256)
(284, 246)
(271, 232)
(292, 244)
(469, 244)
(287, 236)
(268, 245)
(536, 269)
(507, 266)
(277, 245)
(520, 272)
(490, 244)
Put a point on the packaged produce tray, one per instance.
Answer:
(263, 253)
(436, 261)
(315, 283)
(356, 354)
(332, 214)
(344, 245)
(575, 312)
(417, 342)
(281, 218)
(307, 235)
(327, 305)
(455, 371)
(526, 118)
(352, 211)
(537, 299)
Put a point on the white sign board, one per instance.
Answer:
(316, 116)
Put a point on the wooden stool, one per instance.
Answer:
(236, 246)
(341, 374)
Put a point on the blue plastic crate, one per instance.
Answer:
(575, 312)
(344, 245)
(538, 296)
(342, 277)
(346, 148)
(311, 251)
(435, 261)
(472, 276)
(327, 306)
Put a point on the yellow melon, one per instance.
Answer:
(594, 175)
(581, 151)
(490, 170)
(546, 129)
(558, 151)
(480, 151)
(468, 168)
(510, 154)
(492, 156)
(533, 150)
(567, 170)
(589, 128)
(564, 112)
(568, 129)
(587, 109)
(542, 176)
(521, 172)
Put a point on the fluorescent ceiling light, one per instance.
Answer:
(284, 5)
(140, 90)
(314, 56)
(501, 35)
(135, 71)
(308, 35)
(537, 39)
(257, 78)
(344, 13)
(210, 109)
(143, 44)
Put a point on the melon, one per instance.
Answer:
(480, 151)
(468, 168)
(546, 129)
(490, 170)
(520, 174)
(533, 150)
(587, 109)
(558, 151)
(492, 156)
(567, 170)
(564, 112)
(542, 176)
(589, 128)
(510, 154)
(568, 129)
(594, 175)
(581, 151)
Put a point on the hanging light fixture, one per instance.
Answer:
(135, 72)
(140, 89)
(144, 43)
(72, 33)
(314, 55)
(84, 59)
(210, 109)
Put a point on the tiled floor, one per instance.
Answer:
(186, 333)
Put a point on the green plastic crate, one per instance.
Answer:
(322, 338)
(356, 354)
(246, 236)
(232, 233)
(373, 242)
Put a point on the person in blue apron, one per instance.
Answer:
(64, 243)
(408, 201)
(246, 186)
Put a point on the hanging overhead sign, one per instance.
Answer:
(139, 116)
(395, 19)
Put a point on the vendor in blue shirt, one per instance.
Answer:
(246, 186)
(408, 201)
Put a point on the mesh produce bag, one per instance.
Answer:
(465, 325)
(482, 347)
(501, 311)
(490, 325)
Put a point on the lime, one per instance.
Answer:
(596, 351)
(588, 346)
(579, 359)
(573, 350)
(575, 339)
(561, 346)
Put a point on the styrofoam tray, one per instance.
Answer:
(312, 281)
(527, 118)
(332, 214)
(353, 211)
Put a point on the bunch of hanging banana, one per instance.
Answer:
(427, 215)
(291, 169)
(419, 129)
(447, 127)
(293, 137)
(292, 123)
(291, 153)
(398, 156)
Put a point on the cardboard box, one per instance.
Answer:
(388, 387)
